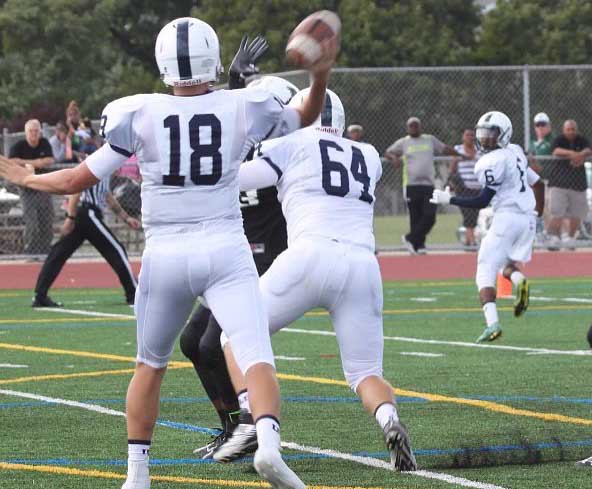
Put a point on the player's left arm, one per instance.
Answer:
(259, 173)
(478, 202)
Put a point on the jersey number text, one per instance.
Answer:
(211, 150)
(358, 169)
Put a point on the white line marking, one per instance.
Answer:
(421, 354)
(576, 300)
(447, 343)
(289, 359)
(12, 365)
(81, 312)
(423, 299)
(575, 352)
(65, 402)
(368, 461)
(82, 302)
(376, 463)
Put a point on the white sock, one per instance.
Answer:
(268, 432)
(490, 311)
(385, 412)
(516, 276)
(137, 461)
(243, 400)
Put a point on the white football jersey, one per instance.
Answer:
(506, 171)
(189, 150)
(326, 185)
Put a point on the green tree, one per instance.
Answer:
(537, 32)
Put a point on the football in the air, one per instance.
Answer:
(315, 39)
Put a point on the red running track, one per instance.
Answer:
(81, 274)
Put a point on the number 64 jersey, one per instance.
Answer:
(506, 171)
(325, 184)
(189, 150)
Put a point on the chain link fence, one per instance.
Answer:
(446, 99)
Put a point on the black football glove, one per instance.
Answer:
(243, 64)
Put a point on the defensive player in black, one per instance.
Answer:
(84, 220)
(265, 228)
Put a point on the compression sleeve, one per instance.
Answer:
(104, 161)
(259, 173)
(479, 202)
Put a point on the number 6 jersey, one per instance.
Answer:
(189, 150)
(506, 171)
(325, 184)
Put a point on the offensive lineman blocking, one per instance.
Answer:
(506, 179)
(326, 187)
(189, 147)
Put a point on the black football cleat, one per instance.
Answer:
(398, 444)
(45, 301)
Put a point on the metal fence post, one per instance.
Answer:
(526, 105)
(5, 143)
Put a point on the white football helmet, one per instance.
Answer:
(281, 89)
(187, 52)
(494, 130)
(332, 118)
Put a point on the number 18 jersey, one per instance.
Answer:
(189, 150)
(326, 185)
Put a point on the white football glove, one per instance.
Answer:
(441, 196)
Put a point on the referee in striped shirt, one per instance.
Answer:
(84, 220)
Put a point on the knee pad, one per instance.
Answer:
(193, 333)
(486, 275)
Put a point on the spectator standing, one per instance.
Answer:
(417, 151)
(355, 132)
(36, 151)
(61, 145)
(567, 182)
(542, 145)
(465, 183)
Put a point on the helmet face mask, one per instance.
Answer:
(187, 52)
(486, 138)
(493, 131)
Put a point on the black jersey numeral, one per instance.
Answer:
(523, 187)
(358, 169)
(211, 150)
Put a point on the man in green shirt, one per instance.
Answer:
(417, 151)
(542, 145)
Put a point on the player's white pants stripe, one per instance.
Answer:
(105, 232)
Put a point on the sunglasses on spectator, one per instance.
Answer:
(540, 124)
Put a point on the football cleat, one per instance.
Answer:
(399, 446)
(586, 463)
(269, 464)
(241, 442)
(490, 333)
(145, 484)
(207, 451)
(45, 301)
(522, 298)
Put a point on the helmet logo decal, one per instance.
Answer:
(183, 50)
(327, 113)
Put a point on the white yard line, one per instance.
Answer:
(368, 461)
(317, 332)
(289, 359)
(12, 365)
(421, 354)
(449, 343)
(81, 312)
(381, 464)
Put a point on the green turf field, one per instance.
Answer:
(491, 417)
(389, 229)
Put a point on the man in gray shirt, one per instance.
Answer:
(417, 151)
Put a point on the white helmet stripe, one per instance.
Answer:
(183, 50)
